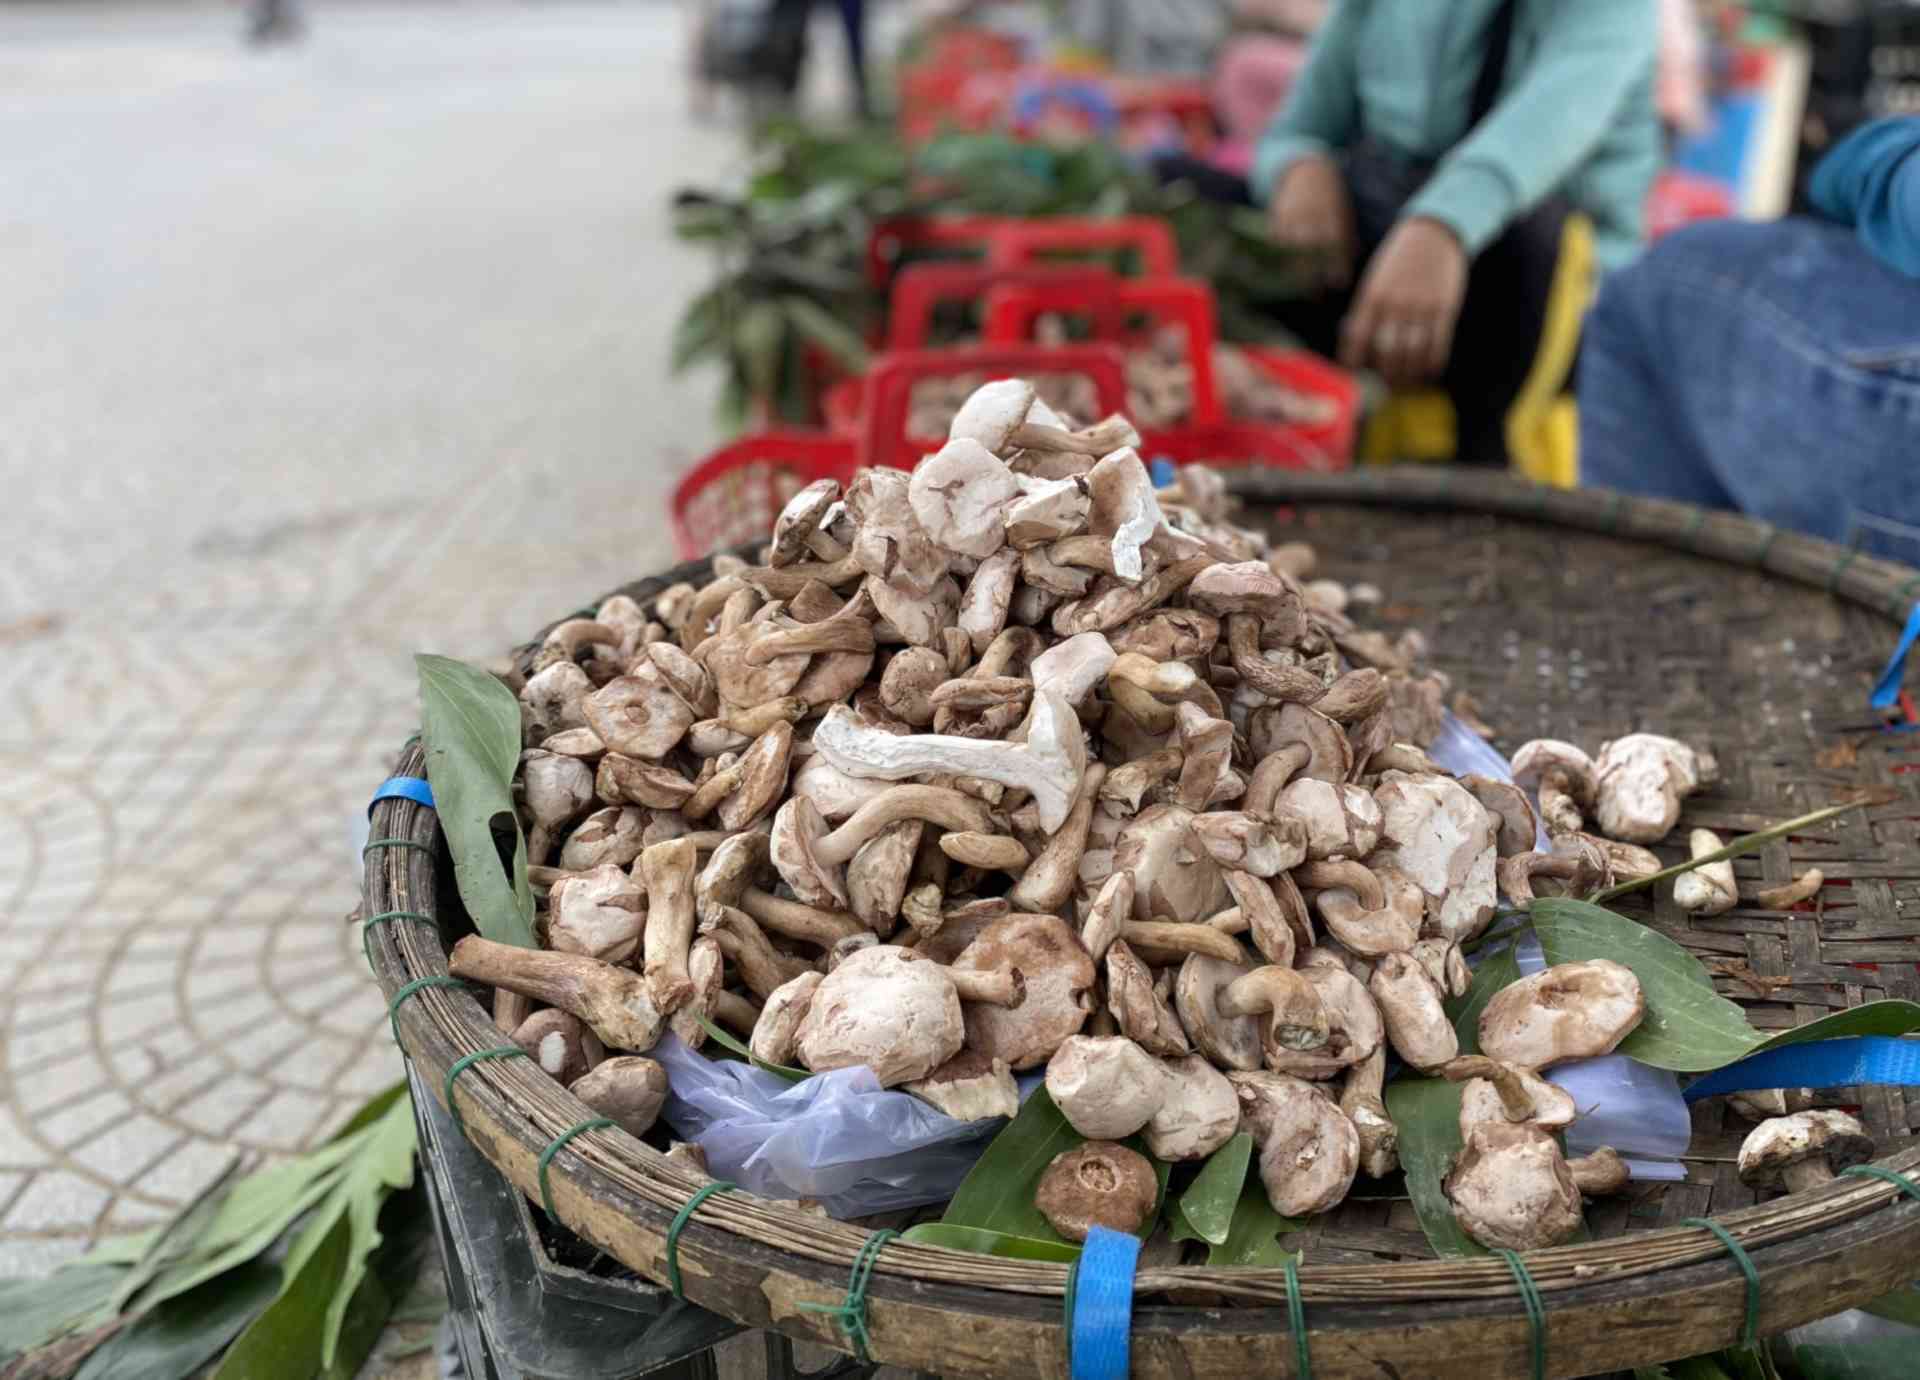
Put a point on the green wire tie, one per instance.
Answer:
(1694, 525)
(1750, 1333)
(387, 917)
(598, 1123)
(1536, 1311)
(426, 848)
(416, 738)
(1894, 1177)
(435, 980)
(1610, 520)
(1766, 545)
(467, 1061)
(851, 1313)
(1297, 1321)
(1840, 568)
(680, 1220)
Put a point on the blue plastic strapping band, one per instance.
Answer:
(1161, 471)
(1102, 1326)
(1886, 690)
(414, 788)
(1858, 1059)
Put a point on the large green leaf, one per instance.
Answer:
(1205, 1211)
(34, 1312)
(1495, 972)
(174, 1340)
(406, 1229)
(470, 728)
(284, 1341)
(384, 1165)
(981, 1242)
(1874, 1018)
(177, 1240)
(1253, 1240)
(727, 1040)
(1426, 1111)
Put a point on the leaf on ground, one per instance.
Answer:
(178, 1239)
(1205, 1211)
(406, 1228)
(726, 1039)
(34, 1312)
(982, 1242)
(183, 1334)
(1253, 1240)
(470, 730)
(283, 1342)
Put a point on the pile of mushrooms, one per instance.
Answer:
(1016, 763)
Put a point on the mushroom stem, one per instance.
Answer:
(809, 924)
(1270, 776)
(1362, 1100)
(1807, 1173)
(761, 967)
(1791, 893)
(1298, 1015)
(839, 634)
(510, 1009)
(753, 722)
(939, 805)
(1048, 881)
(1285, 684)
(708, 794)
(992, 987)
(1163, 937)
(994, 852)
(1353, 879)
(615, 1002)
(667, 870)
(1515, 1100)
(1559, 810)
(1128, 785)
(1601, 1172)
(735, 1012)
(784, 582)
(1232, 920)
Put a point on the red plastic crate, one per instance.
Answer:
(734, 495)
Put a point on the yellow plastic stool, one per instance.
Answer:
(1542, 425)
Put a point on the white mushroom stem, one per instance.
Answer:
(667, 870)
(1709, 889)
(936, 804)
(760, 966)
(1164, 937)
(735, 1012)
(615, 1002)
(1808, 1173)
(809, 924)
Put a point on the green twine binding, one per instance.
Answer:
(851, 1313)
(467, 1061)
(1536, 1311)
(426, 848)
(387, 917)
(1297, 1320)
(1840, 568)
(680, 1220)
(598, 1123)
(1750, 1333)
(1894, 1177)
(393, 1007)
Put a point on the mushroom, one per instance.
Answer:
(630, 1090)
(667, 870)
(1790, 894)
(1576, 866)
(1232, 1042)
(1412, 1009)
(1047, 510)
(1296, 1016)
(1362, 1098)
(992, 413)
(1139, 1009)
(988, 596)
(1391, 927)
(878, 872)
(1292, 741)
(1198, 1113)
(1761, 1104)
(1600, 1172)
(1569, 1011)
(686, 677)
(1563, 777)
(1437, 834)
(622, 780)
(988, 852)
(1123, 510)
(1802, 1151)
(1710, 889)
(1107, 1087)
(1050, 764)
(960, 495)
(1272, 912)
(1354, 1028)
(556, 790)
(887, 1008)
(554, 699)
(1071, 669)
(1048, 879)
(1310, 1153)
(889, 543)
(612, 835)
(1172, 875)
(762, 968)
(639, 715)
(1516, 825)
(1104, 916)
(706, 972)
(615, 1003)
(598, 913)
(776, 1032)
(1250, 843)
(1099, 1184)
(795, 529)
(1497, 1091)
(1640, 782)
(969, 1087)
(808, 856)
(1058, 974)
(560, 1043)
(1164, 634)
(1206, 767)
(1445, 964)
(1342, 821)
(1511, 1188)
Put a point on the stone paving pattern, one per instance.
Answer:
(313, 359)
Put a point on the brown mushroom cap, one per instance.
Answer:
(1300, 731)
(797, 832)
(1563, 777)
(612, 835)
(560, 1043)
(1198, 1114)
(1058, 972)
(1261, 1093)
(800, 519)
(1412, 1009)
(1569, 1011)
(1494, 1091)
(1100, 1184)
(775, 1033)
(763, 779)
(1342, 821)
(887, 1008)
(1296, 1018)
(969, 1087)
(1107, 1087)
(1803, 1150)
(1511, 1189)
(629, 1089)
(1173, 877)
(1310, 1155)
(598, 913)
(1437, 833)
(1232, 1042)
(1137, 1006)
(1640, 781)
(1518, 828)
(1354, 1027)
(1249, 843)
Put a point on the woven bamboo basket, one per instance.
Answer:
(1579, 614)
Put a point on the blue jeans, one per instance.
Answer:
(1772, 368)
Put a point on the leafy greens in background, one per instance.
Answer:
(470, 729)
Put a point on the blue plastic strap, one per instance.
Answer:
(1161, 471)
(1858, 1059)
(1103, 1305)
(412, 788)
(1886, 690)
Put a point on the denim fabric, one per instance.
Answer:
(1771, 368)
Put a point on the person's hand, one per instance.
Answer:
(1311, 211)
(1402, 318)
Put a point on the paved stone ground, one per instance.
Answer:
(313, 359)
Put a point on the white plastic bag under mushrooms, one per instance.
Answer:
(1636, 1109)
(838, 1138)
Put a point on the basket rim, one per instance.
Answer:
(752, 1259)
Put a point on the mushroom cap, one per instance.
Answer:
(630, 1089)
(556, 697)
(612, 835)
(960, 495)
(706, 972)
(1330, 754)
(739, 682)
(1354, 1027)
(1071, 669)
(1248, 843)
(969, 1087)
(1198, 1114)
(1435, 831)
(599, 913)
(1569, 1011)
(639, 715)
(557, 787)
(1111, 907)
(1262, 1092)
(1174, 878)
(887, 1008)
(1100, 1184)
(734, 865)
(1517, 826)
(1167, 635)
(1511, 1189)
(992, 413)
(800, 519)
(1641, 779)
(1230, 1041)
(1247, 587)
(1138, 1007)
(763, 778)
(834, 793)
(557, 1040)
(1059, 974)
(1342, 821)
(1827, 1134)
(1266, 909)
(889, 542)
(1310, 1155)
(1124, 509)
(1710, 889)
(1106, 1086)
(786, 1006)
(1535, 759)
(877, 875)
(1411, 1007)
(1553, 1107)
(797, 831)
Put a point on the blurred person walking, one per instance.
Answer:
(274, 21)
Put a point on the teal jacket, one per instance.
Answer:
(1575, 115)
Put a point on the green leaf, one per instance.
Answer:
(822, 328)
(1206, 1209)
(406, 1227)
(370, 1111)
(1688, 1026)
(702, 327)
(1494, 973)
(1253, 1241)
(284, 1341)
(981, 1242)
(727, 1040)
(177, 1239)
(997, 1194)
(174, 1340)
(385, 1164)
(470, 728)
(34, 1312)
(1879, 1359)
(1874, 1018)
(1427, 1113)
(1901, 1306)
